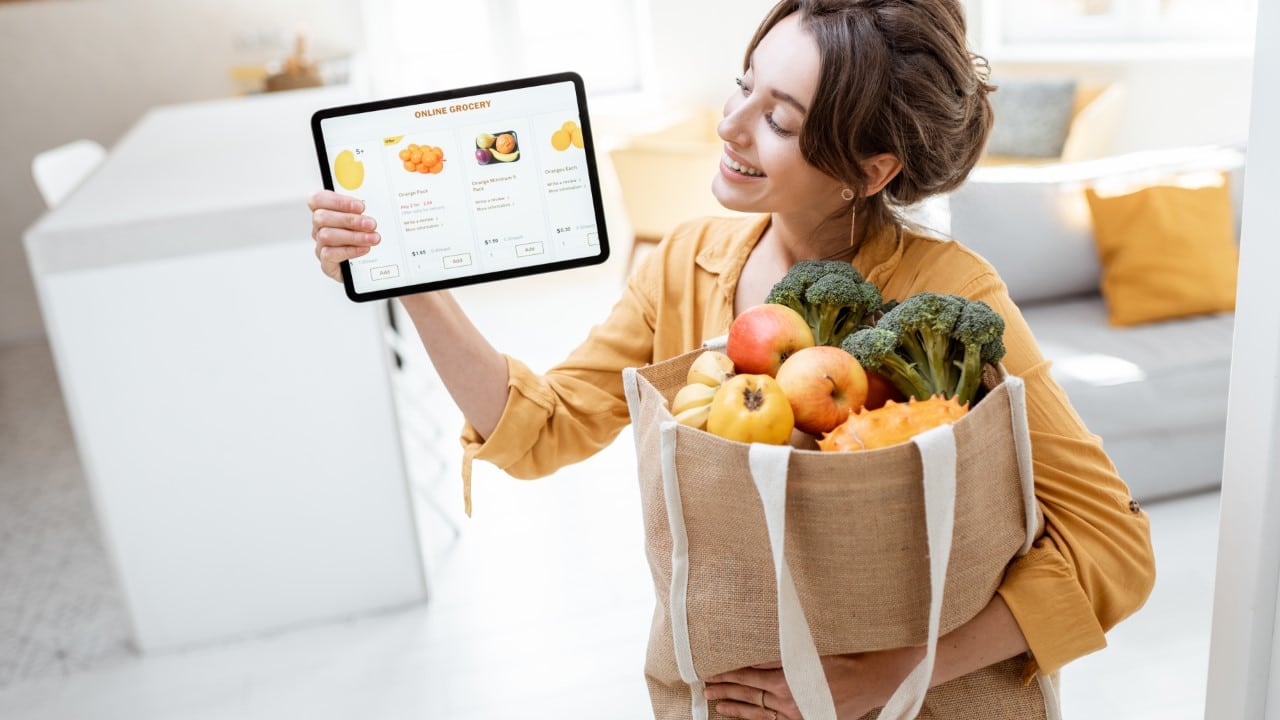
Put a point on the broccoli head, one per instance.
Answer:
(939, 344)
(831, 296)
(980, 332)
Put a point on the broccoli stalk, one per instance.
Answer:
(924, 323)
(877, 348)
(832, 296)
(932, 344)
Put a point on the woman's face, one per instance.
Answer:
(762, 169)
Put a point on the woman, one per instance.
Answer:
(846, 109)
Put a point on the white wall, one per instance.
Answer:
(1244, 653)
(699, 46)
(90, 68)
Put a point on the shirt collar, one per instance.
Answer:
(877, 258)
(727, 258)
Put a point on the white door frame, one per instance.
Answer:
(1244, 665)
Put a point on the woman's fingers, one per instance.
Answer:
(335, 255)
(338, 237)
(331, 259)
(732, 709)
(747, 701)
(322, 218)
(754, 693)
(330, 200)
(340, 230)
(754, 677)
(733, 691)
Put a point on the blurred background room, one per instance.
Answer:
(228, 492)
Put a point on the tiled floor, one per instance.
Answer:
(60, 611)
(541, 609)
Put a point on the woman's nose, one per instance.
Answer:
(730, 127)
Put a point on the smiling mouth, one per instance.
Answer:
(740, 168)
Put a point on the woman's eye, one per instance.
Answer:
(768, 117)
(775, 127)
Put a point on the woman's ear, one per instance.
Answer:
(880, 169)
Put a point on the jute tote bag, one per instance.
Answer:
(760, 553)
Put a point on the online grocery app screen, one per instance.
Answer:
(467, 186)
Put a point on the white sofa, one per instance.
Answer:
(1155, 393)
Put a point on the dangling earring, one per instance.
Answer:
(847, 194)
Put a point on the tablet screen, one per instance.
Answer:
(467, 185)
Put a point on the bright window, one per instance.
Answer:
(1114, 26)
(417, 46)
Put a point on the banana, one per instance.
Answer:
(505, 157)
(691, 396)
(695, 417)
(692, 405)
(710, 368)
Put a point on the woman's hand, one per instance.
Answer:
(340, 231)
(865, 681)
(859, 684)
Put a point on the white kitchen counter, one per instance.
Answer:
(233, 410)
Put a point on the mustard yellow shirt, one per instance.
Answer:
(1092, 565)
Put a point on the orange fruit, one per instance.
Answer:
(435, 169)
(422, 167)
(576, 137)
(569, 126)
(505, 143)
(560, 140)
(410, 166)
(404, 155)
(412, 147)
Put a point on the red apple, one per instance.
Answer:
(879, 390)
(824, 385)
(765, 335)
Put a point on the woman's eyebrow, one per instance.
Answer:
(784, 97)
(778, 94)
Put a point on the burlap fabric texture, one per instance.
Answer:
(854, 571)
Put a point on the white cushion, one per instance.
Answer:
(1032, 223)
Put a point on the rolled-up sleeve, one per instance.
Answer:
(577, 407)
(1092, 565)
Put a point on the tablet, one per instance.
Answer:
(467, 185)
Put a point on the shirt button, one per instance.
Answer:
(1134, 507)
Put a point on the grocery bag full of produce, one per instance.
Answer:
(765, 552)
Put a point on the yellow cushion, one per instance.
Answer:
(1166, 251)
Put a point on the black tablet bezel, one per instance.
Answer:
(593, 178)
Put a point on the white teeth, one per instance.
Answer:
(744, 169)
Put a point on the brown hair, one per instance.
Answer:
(896, 77)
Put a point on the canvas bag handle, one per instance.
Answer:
(800, 662)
